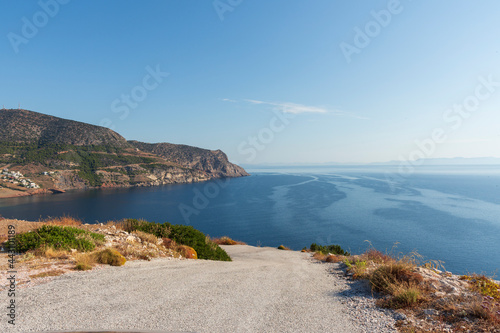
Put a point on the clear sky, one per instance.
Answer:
(281, 81)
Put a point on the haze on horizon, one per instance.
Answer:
(267, 83)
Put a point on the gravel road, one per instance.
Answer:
(262, 290)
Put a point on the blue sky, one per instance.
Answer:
(280, 81)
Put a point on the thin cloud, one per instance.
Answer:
(292, 108)
(227, 100)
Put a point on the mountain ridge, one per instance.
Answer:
(61, 154)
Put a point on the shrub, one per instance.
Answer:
(319, 256)
(377, 257)
(84, 261)
(82, 267)
(333, 249)
(224, 240)
(484, 285)
(110, 257)
(283, 247)
(332, 258)
(205, 248)
(408, 297)
(181, 234)
(169, 243)
(187, 252)
(157, 229)
(403, 295)
(146, 237)
(58, 238)
(386, 276)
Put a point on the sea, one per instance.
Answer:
(444, 214)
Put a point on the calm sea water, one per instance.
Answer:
(450, 214)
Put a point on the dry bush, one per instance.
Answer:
(377, 257)
(319, 256)
(133, 252)
(110, 257)
(333, 258)
(471, 312)
(169, 243)
(51, 253)
(386, 276)
(85, 261)
(187, 252)
(402, 295)
(146, 237)
(63, 221)
(225, 240)
(283, 247)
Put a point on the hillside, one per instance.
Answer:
(215, 162)
(24, 126)
(56, 154)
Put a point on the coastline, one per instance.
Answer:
(6, 193)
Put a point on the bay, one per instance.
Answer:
(447, 213)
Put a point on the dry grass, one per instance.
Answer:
(404, 288)
(169, 243)
(377, 257)
(110, 257)
(133, 252)
(146, 237)
(319, 256)
(333, 258)
(224, 240)
(483, 285)
(20, 227)
(55, 272)
(387, 278)
(50, 253)
(62, 221)
(84, 261)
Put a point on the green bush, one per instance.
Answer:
(157, 229)
(181, 234)
(204, 247)
(64, 238)
(333, 249)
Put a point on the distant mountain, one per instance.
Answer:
(449, 161)
(62, 154)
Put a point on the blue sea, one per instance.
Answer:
(446, 213)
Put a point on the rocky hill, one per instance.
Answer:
(213, 161)
(60, 154)
(24, 126)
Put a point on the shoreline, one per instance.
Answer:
(8, 193)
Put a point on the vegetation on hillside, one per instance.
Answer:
(58, 237)
(181, 234)
(402, 286)
(325, 249)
